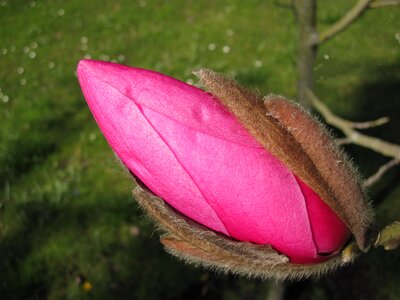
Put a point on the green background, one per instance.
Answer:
(66, 210)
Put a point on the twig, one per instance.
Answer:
(381, 171)
(354, 13)
(389, 237)
(380, 146)
(283, 4)
(366, 125)
(276, 291)
(370, 124)
(343, 141)
(384, 3)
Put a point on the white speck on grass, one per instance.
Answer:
(92, 137)
(84, 40)
(211, 47)
(134, 231)
(230, 32)
(32, 4)
(121, 57)
(5, 98)
(397, 36)
(51, 65)
(32, 54)
(4, 51)
(228, 9)
(159, 66)
(22, 81)
(104, 57)
(84, 47)
(20, 70)
(61, 12)
(34, 45)
(87, 56)
(26, 49)
(189, 81)
(258, 63)
(226, 49)
(326, 56)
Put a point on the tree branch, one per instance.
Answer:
(343, 141)
(381, 171)
(283, 4)
(375, 144)
(389, 237)
(305, 12)
(276, 291)
(370, 124)
(366, 125)
(383, 3)
(352, 15)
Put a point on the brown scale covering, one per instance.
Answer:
(347, 197)
(196, 244)
(302, 144)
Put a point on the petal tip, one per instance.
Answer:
(83, 66)
(90, 64)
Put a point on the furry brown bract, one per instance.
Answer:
(306, 148)
(303, 145)
(196, 244)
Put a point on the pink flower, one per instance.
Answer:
(188, 149)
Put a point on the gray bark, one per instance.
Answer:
(305, 11)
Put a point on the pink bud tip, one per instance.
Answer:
(190, 151)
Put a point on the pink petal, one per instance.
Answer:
(139, 146)
(328, 230)
(190, 151)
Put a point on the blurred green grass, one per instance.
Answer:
(65, 204)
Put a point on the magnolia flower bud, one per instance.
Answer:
(239, 184)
